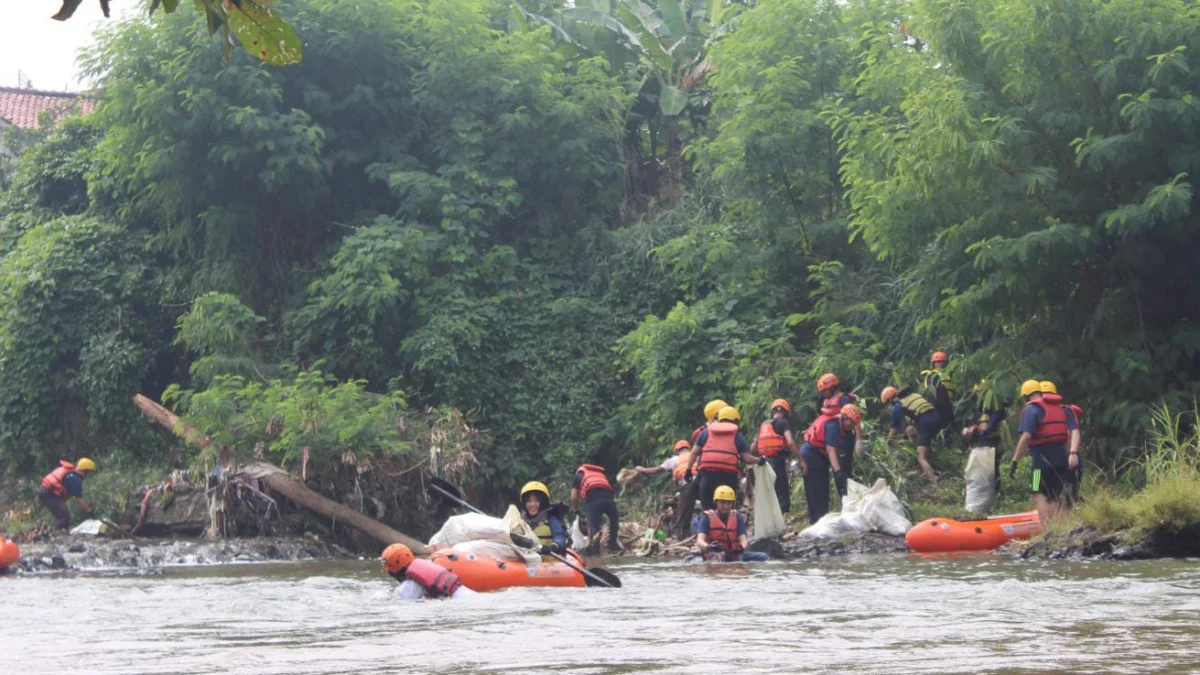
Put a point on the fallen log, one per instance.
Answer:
(284, 484)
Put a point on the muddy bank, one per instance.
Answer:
(88, 554)
(1085, 542)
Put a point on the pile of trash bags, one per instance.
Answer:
(487, 537)
(873, 509)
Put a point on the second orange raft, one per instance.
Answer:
(941, 535)
(10, 553)
(488, 574)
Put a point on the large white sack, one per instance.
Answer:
(469, 527)
(90, 527)
(835, 525)
(768, 517)
(579, 540)
(854, 494)
(882, 511)
(496, 551)
(980, 479)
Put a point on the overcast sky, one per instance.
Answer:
(43, 49)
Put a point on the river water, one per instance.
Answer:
(892, 614)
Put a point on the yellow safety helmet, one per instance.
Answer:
(729, 414)
(535, 486)
(1047, 387)
(724, 492)
(714, 406)
(1030, 387)
(85, 464)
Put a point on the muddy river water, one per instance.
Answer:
(870, 614)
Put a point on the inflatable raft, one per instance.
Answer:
(488, 574)
(939, 535)
(10, 553)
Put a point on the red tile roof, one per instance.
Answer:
(21, 106)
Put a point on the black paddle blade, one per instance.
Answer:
(605, 577)
(445, 489)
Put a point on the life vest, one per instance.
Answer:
(1053, 427)
(593, 478)
(53, 482)
(437, 580)
(540, 526)
(815, 433)
(680, 470)
(1078, 412)
(833, 404)
(720, 451)
(915, 405)
(769, 442)
(696, 433)
(722, 532)
(936, 386)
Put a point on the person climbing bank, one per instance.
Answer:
(723, 531)
(925, 424)
(592, 486)
(62, 484)
(935, 386)
(1047, 428)
(543, 517)
(833, 399)
(717, 453)
(681, 453)
(819, 453)
(776, 443)
(420, 578)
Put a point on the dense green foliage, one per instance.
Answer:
(446, 205)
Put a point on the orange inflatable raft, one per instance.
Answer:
(488, 574)
(939, 535)
(10, 553)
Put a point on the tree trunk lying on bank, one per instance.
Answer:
(279, 480)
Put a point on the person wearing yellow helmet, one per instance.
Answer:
(776, 442)
(925, 423)
(720, 448)
(722, 531)
(1047, 429)
(420, 578)
(544, 518)
(63, 483)
(710, 416)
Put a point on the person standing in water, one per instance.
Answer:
(723, 531)
(592, 486)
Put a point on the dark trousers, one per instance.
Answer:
(599, 508)
(816, 493)
(57, 508)
(682, 528)
(846, 459)
(709, 481)
(783, 487)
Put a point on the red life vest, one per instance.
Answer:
(720, 451)
(696, 433)
(53, 482)
(1053, 427)
(437, 580)
(722, 532)
(815, 433)
(593, 478)
(1078, 412)
(833, 404)
(680, 470)
(769, 442)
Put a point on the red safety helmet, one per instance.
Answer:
(938, 356)
(396, 557)
(681, 445)
(827, 381)
(852, 412)
(781, 403)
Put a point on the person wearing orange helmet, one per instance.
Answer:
(819, 453)
(833, 399)
(420, 578)
(680, 454)
(776, 442)
(925, 423)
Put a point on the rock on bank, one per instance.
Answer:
(90, 554)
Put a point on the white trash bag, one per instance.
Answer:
(470, 527)
(496, 550)
(768, 517)
(90, 527)
(980, 479)
(882, 511)
(579, 541)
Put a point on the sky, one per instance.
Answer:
(43, 49)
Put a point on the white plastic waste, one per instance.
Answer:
(496, 550)
(90, 527)
(579, 541)
(470, 527)
(980, 479)
(873, 509)
(768, 517)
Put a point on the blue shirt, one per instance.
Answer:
(739, 441)
(897, 415)
(73, 482)
(1053, 454)
(741, 524)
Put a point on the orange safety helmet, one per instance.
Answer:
(781, 403)
(888, 394)
(681, 445)
(938, 356)
(396, 557)
(851, 411)
(827, 381)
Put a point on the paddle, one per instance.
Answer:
(593, 577)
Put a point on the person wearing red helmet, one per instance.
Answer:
(936, 388)
(833, 399)
(776, 442)
(679, 455)
(420, 578)
(819, 453)
(925, 423)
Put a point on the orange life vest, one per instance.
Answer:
(53, 482)
(769, 442)
(723, 532)
(833, 404)
(1053, 427)
(720, 453)
(593, 478)
(680, 470)
(437, 580)
(696, 433)
(815, 433)
(1078, 412)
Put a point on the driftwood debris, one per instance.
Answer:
(280, 481)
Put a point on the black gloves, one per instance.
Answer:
(762, 460)
(1012, 469)
(840, 474)
(547, 549)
